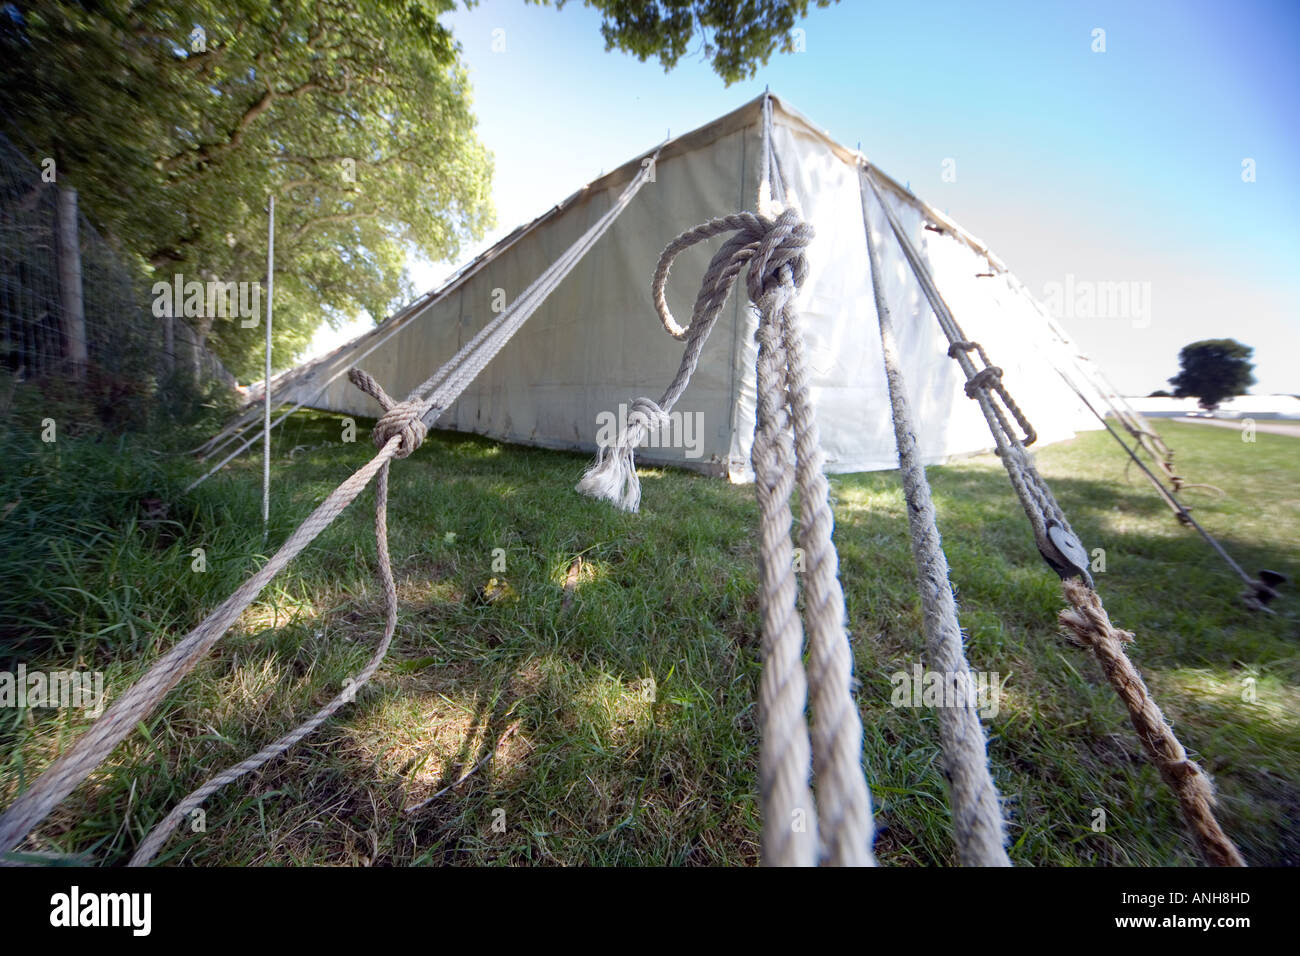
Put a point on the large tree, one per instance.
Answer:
(736, 36)
(1212, 370)
(176, 119)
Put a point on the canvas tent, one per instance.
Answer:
(595, 343)
(589, 346)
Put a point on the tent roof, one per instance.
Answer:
(749, 114)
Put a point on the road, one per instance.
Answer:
(1273, 427)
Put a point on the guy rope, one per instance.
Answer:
(834, 825)
(787, 451)
(398, 433)
(1086, 618)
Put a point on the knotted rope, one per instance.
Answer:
(400, 431)
(1061, 549)
(401, 421)
(786, 453)
(1087, 625)
(989, 378)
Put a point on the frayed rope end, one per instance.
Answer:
(613, 478)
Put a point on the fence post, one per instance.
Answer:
(169, 343)
(266, 380)
(74, 315)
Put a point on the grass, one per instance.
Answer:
(632, 672)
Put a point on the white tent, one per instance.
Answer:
(595, 343)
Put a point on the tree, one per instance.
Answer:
(1212, 370)
(1159, 393)
(736, 35)
(176, 120)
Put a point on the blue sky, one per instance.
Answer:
(1115, 166)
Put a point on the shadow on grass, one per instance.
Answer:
(600, 773)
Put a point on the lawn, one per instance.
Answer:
(624, 655)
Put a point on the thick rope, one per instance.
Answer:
(786, 453)
(977, 816)
(62, 776)
(401, 429)
(400, 420)
(1055, 541)
(1087, 625)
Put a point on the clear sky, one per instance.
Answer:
(1073, 165)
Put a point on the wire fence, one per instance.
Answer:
(71, 310)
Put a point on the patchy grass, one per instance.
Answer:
(627, 653)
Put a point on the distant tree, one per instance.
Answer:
(1160, 393)
(1212, 370)
(737, 36)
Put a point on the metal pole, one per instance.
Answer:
(266, 397)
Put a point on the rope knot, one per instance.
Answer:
(647, 414)
(766, 246)
(773, 252)
(402, 419)
(780, 243)
(988, 377)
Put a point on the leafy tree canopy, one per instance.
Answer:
(736, 35)
(176, 119)
(1212, 370)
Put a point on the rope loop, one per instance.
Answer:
(766, 245)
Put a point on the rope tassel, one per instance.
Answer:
(836, 827)
(613, 476)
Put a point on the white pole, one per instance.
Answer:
(266, 444)
(69, 252)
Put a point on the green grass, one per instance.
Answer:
(608, 767)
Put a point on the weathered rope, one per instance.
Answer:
(1087, 625)
(62, 776)
(786, 453)
(990, 377)
(1056, 540)
(1061, 549)
(402, 421)
(977, 816)
(399, 430)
